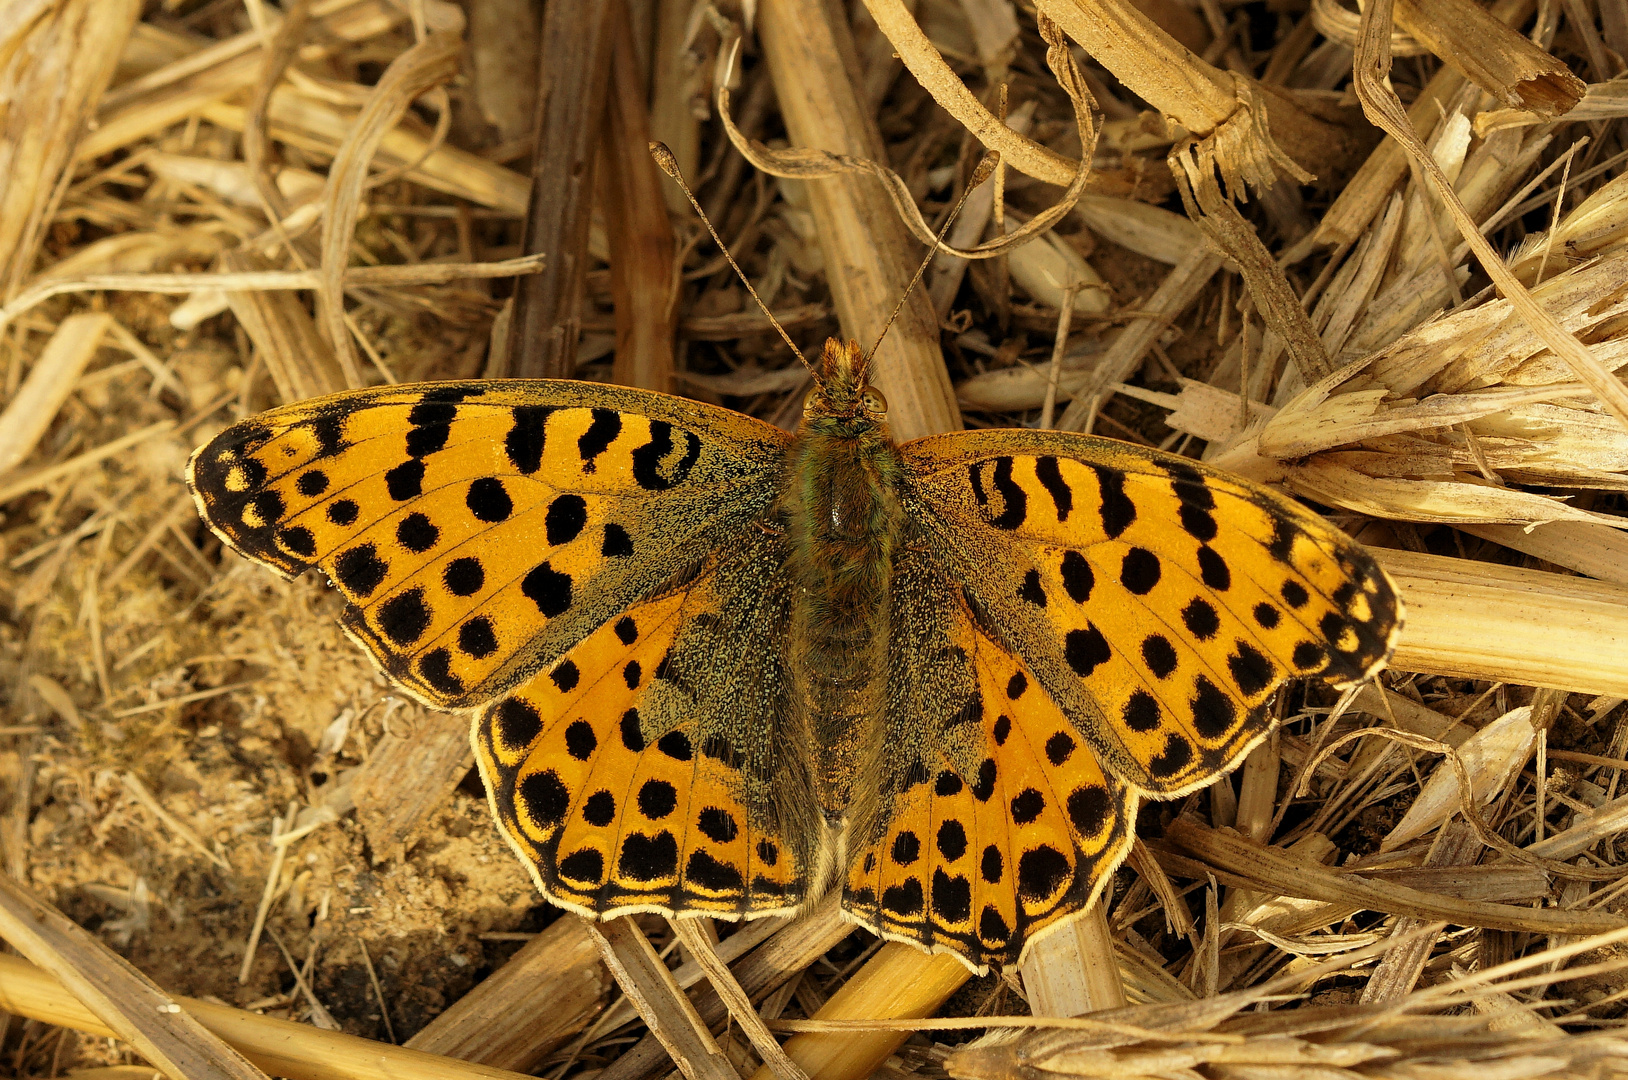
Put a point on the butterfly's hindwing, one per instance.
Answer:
(478, 530)
(645, 770)
(1160, 603)
(997, 820)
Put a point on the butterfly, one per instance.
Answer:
(715, 669)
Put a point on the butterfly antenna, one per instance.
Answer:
(985, 169)
(669, 165)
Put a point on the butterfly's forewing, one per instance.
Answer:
(581, 561)
(646, 770)
(1160, 603)
(479, 530)
(998, 821)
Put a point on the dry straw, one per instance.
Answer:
(213, 209)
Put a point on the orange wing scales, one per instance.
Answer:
(1159, 602)
(612, 816)
(979, 860)
(478, 529)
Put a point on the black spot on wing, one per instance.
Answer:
(464, 576)
(1281, 546)
(1078, 580)
(1014, 500)
(1177, 754)
(656, 798)
(477, 638)
(599, 809)
(431, 424)
(417, 533)
(1051, 478)
(1159, 655)
(1085, 649)
(1031, 589)
(526, 438)
(299, 540)
(548, 588)
(906, 848)
(488, 500)
(649, 858)
(405, 481)
(565, 518)
(1139, 571)
(1214, 713)
(1141, 712)
(1251, 670)
(436, 668)
(1090, 809)
(1201, 618)
(1117, 510)
(585, 865)
(904, 898)
(329, 432)
(717, 824)
(1041, 871)
(1213, 569)
(602, 431)
(647, 459)
(360, 570)
(952, 897)
(517, 722)
(1027, 806)
(545, 798)
(617, 544)
(709, 873)
(404, 617)
(632, 733)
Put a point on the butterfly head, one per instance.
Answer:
(842, 400)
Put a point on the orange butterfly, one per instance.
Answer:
(718, 670)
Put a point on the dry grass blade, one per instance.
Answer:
(58, 61)
(925, 62)
(897, 983)
(572, 78)
(1500, 61)
(1268, 868)
(650, 986)
(1382, 106)
(695, 940)
(868, 259)
(48, 385)
(1484, 621)
(427, 64)
(295, 352)
(643, 271)
(421, 757)
(119, 996)
(280, 1047)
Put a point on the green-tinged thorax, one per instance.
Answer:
(841, 507)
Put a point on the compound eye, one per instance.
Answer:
(811, 401)
(873, 401)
